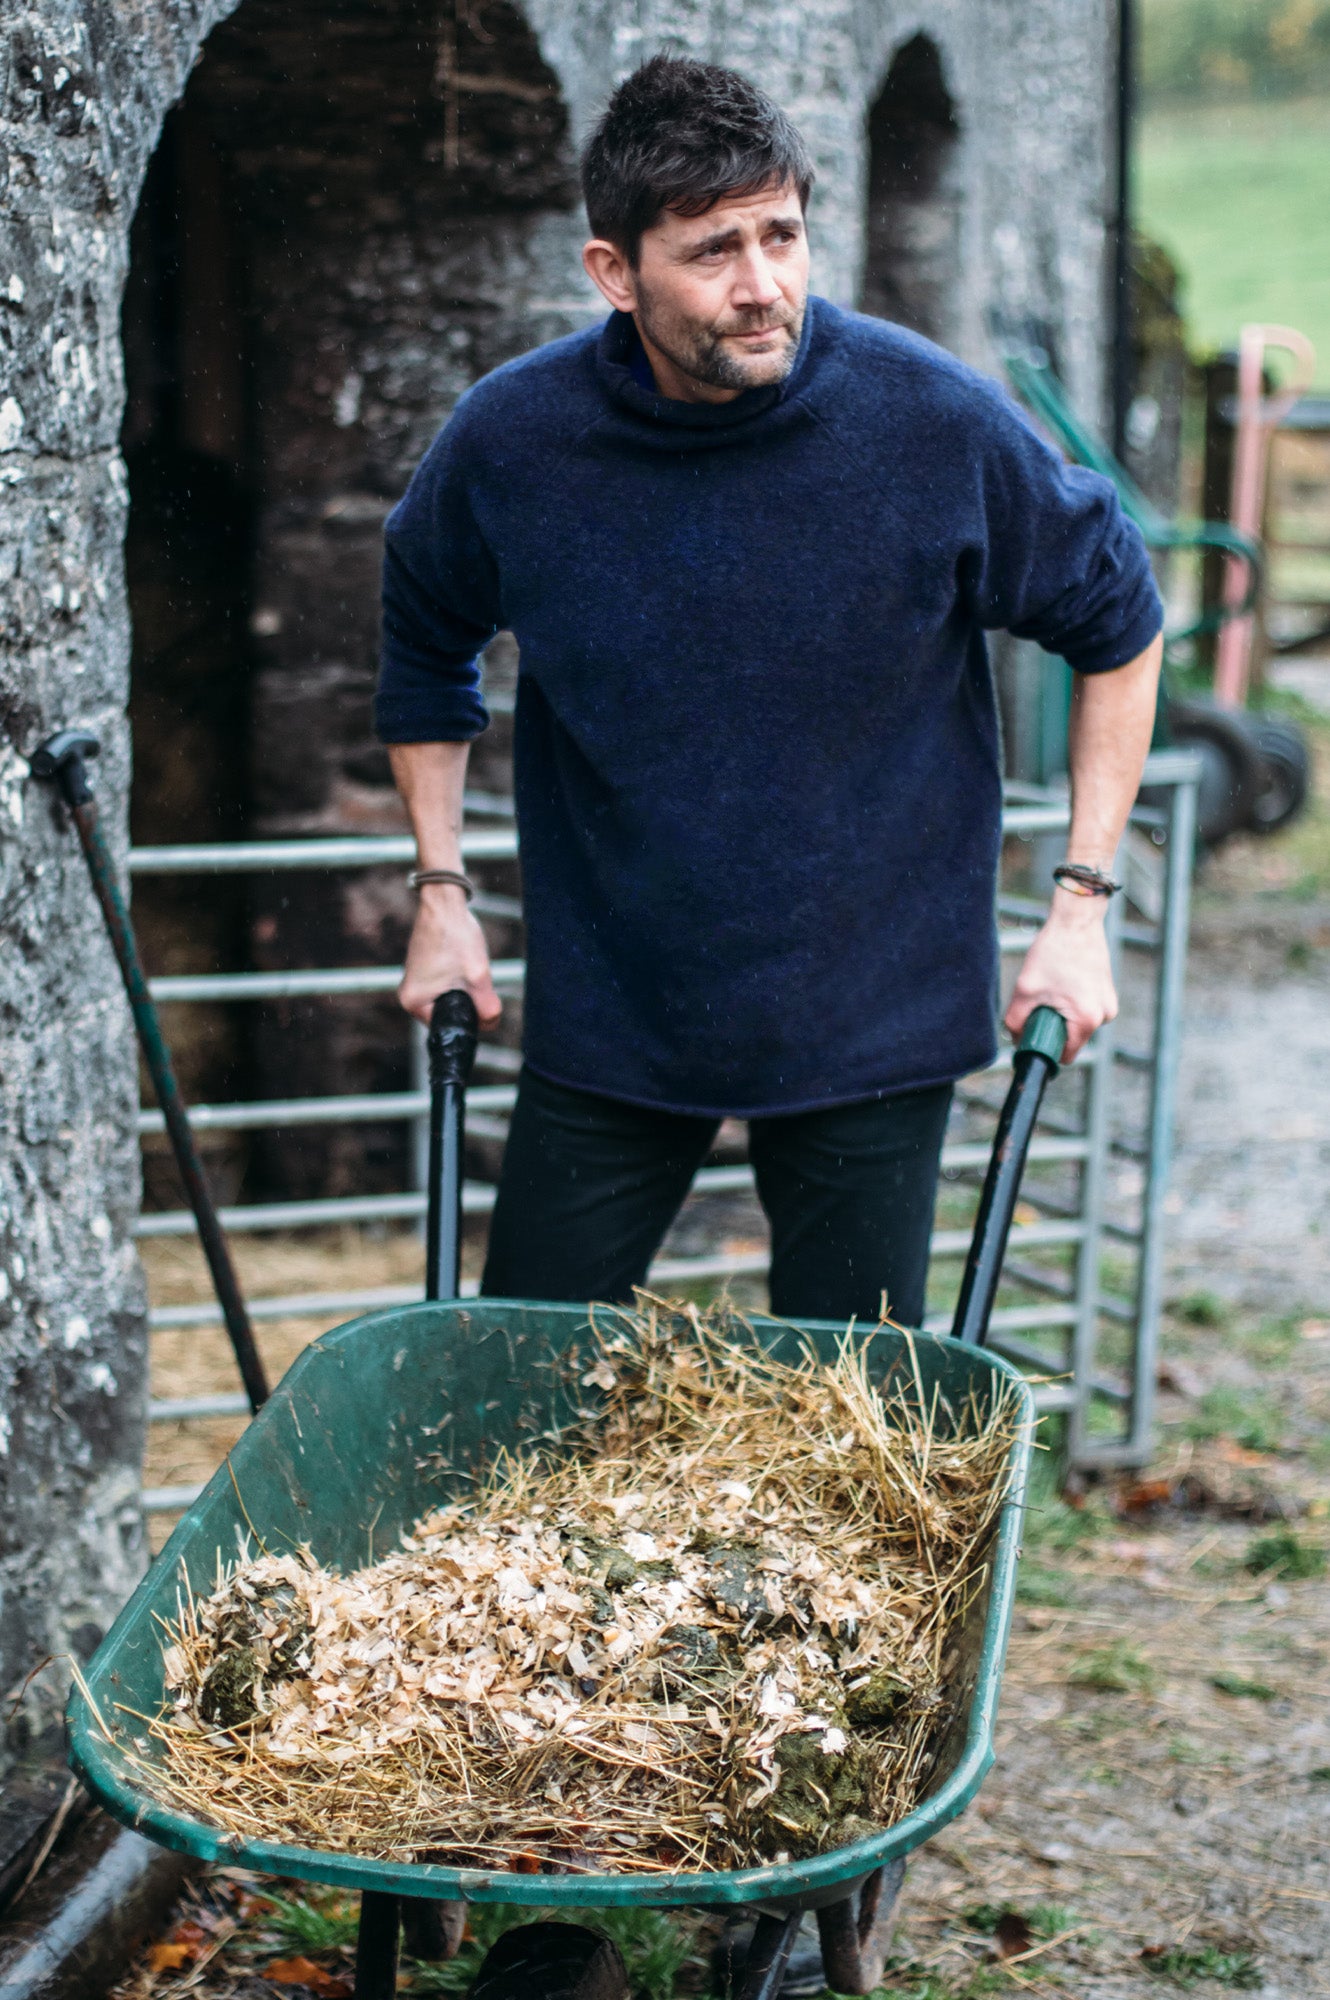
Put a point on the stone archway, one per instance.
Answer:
(912, 233)
(359, 209)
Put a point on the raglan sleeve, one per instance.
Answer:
(1055, 558)
(440, 600)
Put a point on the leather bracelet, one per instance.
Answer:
(1082, 880)
(419, 878)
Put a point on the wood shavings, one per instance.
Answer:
(714, 1630)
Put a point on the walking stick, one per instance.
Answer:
(62, 760)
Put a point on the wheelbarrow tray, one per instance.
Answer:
(372, 1427)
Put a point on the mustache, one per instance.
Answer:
(759, 320)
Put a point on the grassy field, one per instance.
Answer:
(1240, 195)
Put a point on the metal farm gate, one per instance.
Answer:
(1082, 1287)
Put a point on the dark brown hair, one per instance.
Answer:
(680, 135)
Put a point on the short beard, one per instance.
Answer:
(699, 351)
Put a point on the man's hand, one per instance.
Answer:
(1067, 967)
(447, 950)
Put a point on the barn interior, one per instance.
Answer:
(354, 212)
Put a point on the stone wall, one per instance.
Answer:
(383, 191)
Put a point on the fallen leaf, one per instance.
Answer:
(1013, 1934)
(1239, 1454)
(1143, 1494)
(304, 1972)
(170, 1957)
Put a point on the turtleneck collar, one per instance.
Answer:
(620, 359)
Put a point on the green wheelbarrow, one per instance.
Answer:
(344, 1457)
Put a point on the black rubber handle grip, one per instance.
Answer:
(1036, 1060)
(451, 1045)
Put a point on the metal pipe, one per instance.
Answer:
(326, 982)
(1085, 1334)
(1169, 986)
(666, 1270)
(369, 1106)
(360, 850)
(330, 981)
(240, 857)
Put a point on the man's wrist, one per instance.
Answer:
(442, 897)
(1072, 911)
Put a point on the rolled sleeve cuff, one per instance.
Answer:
(1127, 638)
(413, 706)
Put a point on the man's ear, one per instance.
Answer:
(610, 272)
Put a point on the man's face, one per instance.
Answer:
(719, 298)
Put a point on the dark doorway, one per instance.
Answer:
(188, 560)
(912, 248)
(381, 196)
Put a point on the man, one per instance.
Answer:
(749, 545)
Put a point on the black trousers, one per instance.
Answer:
(589, 1187)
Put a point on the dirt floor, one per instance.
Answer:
(1158, 1818)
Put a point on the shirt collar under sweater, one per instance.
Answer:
(681, 426)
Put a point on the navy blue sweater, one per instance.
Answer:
(757, 759)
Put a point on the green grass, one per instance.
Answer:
(1228, 1968)
(1051, 1588)
(655, 1947)
(1237, 193)
(1046, 1920)
(1286, 1554)
(1243, 1689)
(1050, 1525)
(1273, 1340)
(1202, 1309)
(1119, 1668)
(311, 1926)
(1191, 48)
(1251, 1421)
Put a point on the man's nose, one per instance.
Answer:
(754, 281)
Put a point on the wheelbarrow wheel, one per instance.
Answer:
(1285, 774)
(1230, 767)
(855, 1934)
(552, 1962)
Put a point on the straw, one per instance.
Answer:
(713, 1626)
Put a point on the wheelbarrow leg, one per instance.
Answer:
(377, 1946)
(432, 1930)
(767, 1956)
(855, 1933)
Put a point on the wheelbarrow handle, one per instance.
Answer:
(1038, 1054)
(450, 1042)
(62, 760)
